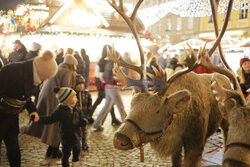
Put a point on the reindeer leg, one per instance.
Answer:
(193, 156)
(224, 126)
(176, 159)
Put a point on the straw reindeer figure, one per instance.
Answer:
(181, 112)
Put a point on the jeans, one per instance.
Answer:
(112, 96)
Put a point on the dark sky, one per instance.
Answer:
(9, 4)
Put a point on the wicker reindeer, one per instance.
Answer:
(181, 113)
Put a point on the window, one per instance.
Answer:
(178, 25)
(210, 20)
(244, 11)
(190, 23)
(169, 26)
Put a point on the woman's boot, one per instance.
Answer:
(114, 120)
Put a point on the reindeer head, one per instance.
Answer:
(151, 113)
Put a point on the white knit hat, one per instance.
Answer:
(69, 59)
(46, 65)
(35, 46)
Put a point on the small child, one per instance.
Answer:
(70, 120)
(85, 104)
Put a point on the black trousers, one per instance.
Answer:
(66, 148)
(9, 129)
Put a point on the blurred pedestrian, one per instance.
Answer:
(85, 105)
(18, 83)
(172, 66)
(112, 94)
(243, 74)
(47, 103)
(19, 52)
(34, 52)
(162, 61)
(100, 85)
(69, 51)
(59, 56)
(81, 64)
(85, 58)
(128, 60)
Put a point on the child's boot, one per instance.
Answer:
(56, 153)
(49, 152)
(85, 146)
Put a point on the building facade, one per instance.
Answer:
(238, 26)
(174, 29)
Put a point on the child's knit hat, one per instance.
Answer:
(64, 94)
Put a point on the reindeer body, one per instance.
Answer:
(237, 151)
(189, 128)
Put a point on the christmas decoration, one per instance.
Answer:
(185, 8)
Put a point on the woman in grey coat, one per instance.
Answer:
(47, 103)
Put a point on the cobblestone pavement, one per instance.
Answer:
(101, 151)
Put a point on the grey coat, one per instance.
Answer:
(47, 104)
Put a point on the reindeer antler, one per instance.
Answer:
(218, 39)
(214, 7)
(221, 93)
(117, 58)
(131, 23)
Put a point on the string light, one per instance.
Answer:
(185, 8)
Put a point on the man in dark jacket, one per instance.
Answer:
(85, 58)
(36, 47)
(80, 65)
(59, 56)
(18, 83)
(19, 52)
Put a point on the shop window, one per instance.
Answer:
(210, 20)
(190, 23)
(178, 25)
(244, 11)
(169, 26)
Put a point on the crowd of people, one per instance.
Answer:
(63, 106)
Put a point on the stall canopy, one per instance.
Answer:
(226, 43)
(92, 16)
(165, 48)
(195, 43)
(244, 44)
